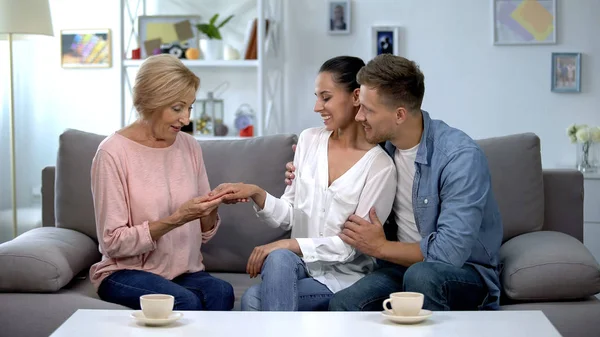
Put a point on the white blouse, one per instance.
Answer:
(316, 212)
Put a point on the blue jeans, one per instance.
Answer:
(445, 287)
(192, 291)
(286, 286)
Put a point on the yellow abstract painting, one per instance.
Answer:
(524, 21)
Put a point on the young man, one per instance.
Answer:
(445, 226)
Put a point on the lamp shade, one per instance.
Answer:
(25, 17)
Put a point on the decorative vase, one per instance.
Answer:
(586, 157)
(212, 49)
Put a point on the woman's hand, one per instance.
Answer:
(232, 193)
(260, 253)
(197, 208)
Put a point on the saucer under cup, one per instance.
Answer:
(138, 315)
(420, 317)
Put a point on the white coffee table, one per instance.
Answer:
(103, 323)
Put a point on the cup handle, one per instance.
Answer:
(385, 306)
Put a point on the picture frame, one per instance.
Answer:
(385, 40)
(524, 22)
(566, 72)
(86, 48)
(157, 30)
(339, 19)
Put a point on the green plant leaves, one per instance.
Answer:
(210, 29)
(225, 21)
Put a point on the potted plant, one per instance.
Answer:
(212, 46)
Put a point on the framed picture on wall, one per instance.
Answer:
(385, 40)
(524, 22)
(566, 72)
(85, 48)
(339, 16)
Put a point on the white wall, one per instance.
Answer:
(507, 91)
(482, 89)
(49, 99)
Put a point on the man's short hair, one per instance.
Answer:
(398, 81)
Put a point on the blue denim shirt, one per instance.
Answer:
(454, 207)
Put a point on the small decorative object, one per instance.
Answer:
(231, 53)
(244, 121)
(157, 30)
(566, 72)
(211, 115)
(212, 46)
(586, 139)
(339, 18)
(136, 54)
(192, 54)
(385, 40)
(86, 48)
(521, 22)
(175, 49)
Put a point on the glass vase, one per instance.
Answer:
(587, 157)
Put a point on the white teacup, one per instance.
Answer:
(404, 303)
(157, 306)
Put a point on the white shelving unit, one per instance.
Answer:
(268, 66)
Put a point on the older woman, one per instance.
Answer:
(149, 187)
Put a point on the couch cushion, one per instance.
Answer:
(517, 181)
(74, 206)
(39, 315)
(259, 161)
(44, 259)
(547, 266)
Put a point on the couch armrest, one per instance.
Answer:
(48, 174)
(563, 202)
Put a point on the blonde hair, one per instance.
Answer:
(161, 80)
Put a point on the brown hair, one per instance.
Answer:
(398, 81)
(161, 80)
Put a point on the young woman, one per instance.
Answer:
(338, 174)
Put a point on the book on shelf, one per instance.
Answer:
(251, 40)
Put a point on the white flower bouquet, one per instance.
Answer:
(586, 136)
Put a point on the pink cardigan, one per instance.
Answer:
(132, 185)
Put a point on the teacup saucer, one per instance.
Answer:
(139, 316)
(423, 315)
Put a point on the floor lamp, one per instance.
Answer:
(20, 17)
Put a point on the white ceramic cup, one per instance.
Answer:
(404, 303)
(157, 306)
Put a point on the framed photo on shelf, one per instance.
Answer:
(339, 16)
(385, 40)
(524, 22)
(566, 72)
(155, 31)
(85, 48)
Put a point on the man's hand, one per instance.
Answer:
(260, 253)
(367, 237)
(290, 169)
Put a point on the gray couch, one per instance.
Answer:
(43, 273)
